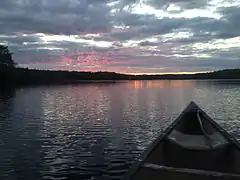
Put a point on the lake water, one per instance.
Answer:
(97, 130)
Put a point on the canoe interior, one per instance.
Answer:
(224, 158)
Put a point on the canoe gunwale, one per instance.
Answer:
(190, 171)
(167, 131)
(228, 136)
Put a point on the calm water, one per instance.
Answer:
(96, 131)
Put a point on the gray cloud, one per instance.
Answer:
(145, 26)
(67, 17)
(185, 4)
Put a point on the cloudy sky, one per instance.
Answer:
(127, 36)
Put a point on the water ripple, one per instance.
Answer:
(96, 131)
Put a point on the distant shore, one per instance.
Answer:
(15, 77)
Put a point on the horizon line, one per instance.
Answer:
(132, 73)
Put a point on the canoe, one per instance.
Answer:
(192, 147)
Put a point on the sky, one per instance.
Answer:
(125, 36)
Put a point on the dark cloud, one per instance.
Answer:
(184, 4)
(147, 43)
(67, 17)
(145, 26)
